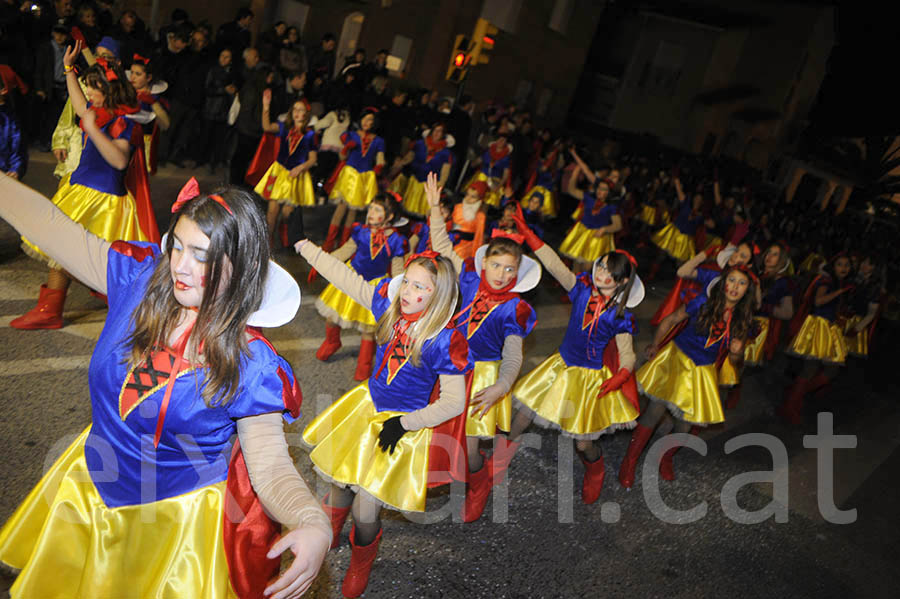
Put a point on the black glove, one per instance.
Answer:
(390, 434)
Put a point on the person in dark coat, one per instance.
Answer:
(236, 34)
(220, 91)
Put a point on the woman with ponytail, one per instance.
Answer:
(95, 194)
(384, 442)
(688, 349)
(495, 320)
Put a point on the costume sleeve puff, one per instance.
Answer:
(128, 261)
(627, 324)
(693, 307)
(380, 300)
(705, 276)
(582, 284)
(358, 235)
(522, 321)
(449, 353)
(265, 379)
(398, 243)
(282, 130)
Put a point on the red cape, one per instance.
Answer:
(137, 183)
(266, 154)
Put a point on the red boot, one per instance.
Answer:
(46, 315)
(477, 492)
(364, 361)
(734, 396)
(639, 438)
(361, 559)
(594, 473)
(654, 269)
(818, 386)
(666, 468)
(792, 409)
(332, 342)
(497, 464)
(337, 515)
(345, 235)
(283, 234)
(333, 231)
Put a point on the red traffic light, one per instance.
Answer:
(488, 40)
(459, 59)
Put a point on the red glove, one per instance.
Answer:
(615, 382)
(740, 231)
(533, 241)
(348, 147)
(378, 168)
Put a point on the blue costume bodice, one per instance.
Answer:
(698, 346)
(196, 440)
(423, 163)
(93, 170)
(290, 157)
(362, 162)
(684, 222)
(583, 345)
(602, 218)
(372, 267)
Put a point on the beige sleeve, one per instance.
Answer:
(556, 267)
(339, 274)
(625, 345)
(451, 403)
(511, 363)
(345, 252)
(81, 253)
(397, 265)
(282, 491)
(440, 241)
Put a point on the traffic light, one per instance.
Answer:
(483, 38)
(460, 59)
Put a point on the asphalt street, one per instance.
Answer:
(689, 538)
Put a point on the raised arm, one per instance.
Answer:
(688, 270)
(664, 327)
(339, 274)
(76, 96)
(440, 241)
(267, 125)
(583, 166)
(679, 190)
(116, 152)
(35, 217)
(544, 252)
(572, 186)
(286, 499)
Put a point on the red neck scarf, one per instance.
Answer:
(377, 240)
(146, 97)
(105, 115)
(720, 330)
(366, 140)
(498, 154)
(295, 136)
(433, 147)
(395, 352)
(485, 299)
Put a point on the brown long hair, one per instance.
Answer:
(619, 267)
(238, 238)
(118, 92)
(713, 310)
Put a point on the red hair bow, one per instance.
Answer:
(429, 254)
(190, 191)
(629, 256)
(138, 58)
(520, 239)
(747, 271)
(397, 197)
(107, 70)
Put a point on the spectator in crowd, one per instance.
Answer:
(131, 33)
(235, 35)
(104, 12)
(86, 21)
(270, 43)
(179, 19)
(173, 64)
(292, 56)
(321, 59)
(221, 89)
(50, 83)
(249, 120)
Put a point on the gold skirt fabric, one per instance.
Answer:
(498, 417)
(68, 543)
(819, 339)
(107, 216)
(565, 398)
(345, 452)
(674, 242)
(278, 185)
(414, 200)
(548, 200)
(729, 376)
(582, 244)
(354, 188)
(755, 351)
(493, 195)
(648, 214)
(340, 308)
(690, 392)
(857, 343)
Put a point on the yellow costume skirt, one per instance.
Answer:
(493, 195)
(811, 263)
(345, 452)
(344, 311)
(278, 185)
(728, 374)
(647, 214)
(857, 343)
(414, 200)
(484, 374)
(68, 543)
(819, 339)
(690, 392)
(565, 398)
(354, 188)
(754, 352)
(582, 244)
(674, 242)
(103, 214)
(548, 200)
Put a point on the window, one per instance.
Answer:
(401, 50)
(561, 15)
(502, 13)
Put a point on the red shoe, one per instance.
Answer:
(666, 468)
(498, 463)
(333, 231)
(337, 515)
(639, 438)
(477, 492)
(594, 473)
(364, 361)
(46, 315)
(792, 409)
(332, 342)
(361, 559)
(734, 396)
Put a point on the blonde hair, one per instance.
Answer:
(438, 310)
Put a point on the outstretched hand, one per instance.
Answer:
(433, 190)
(309, 546)
(71, 54)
